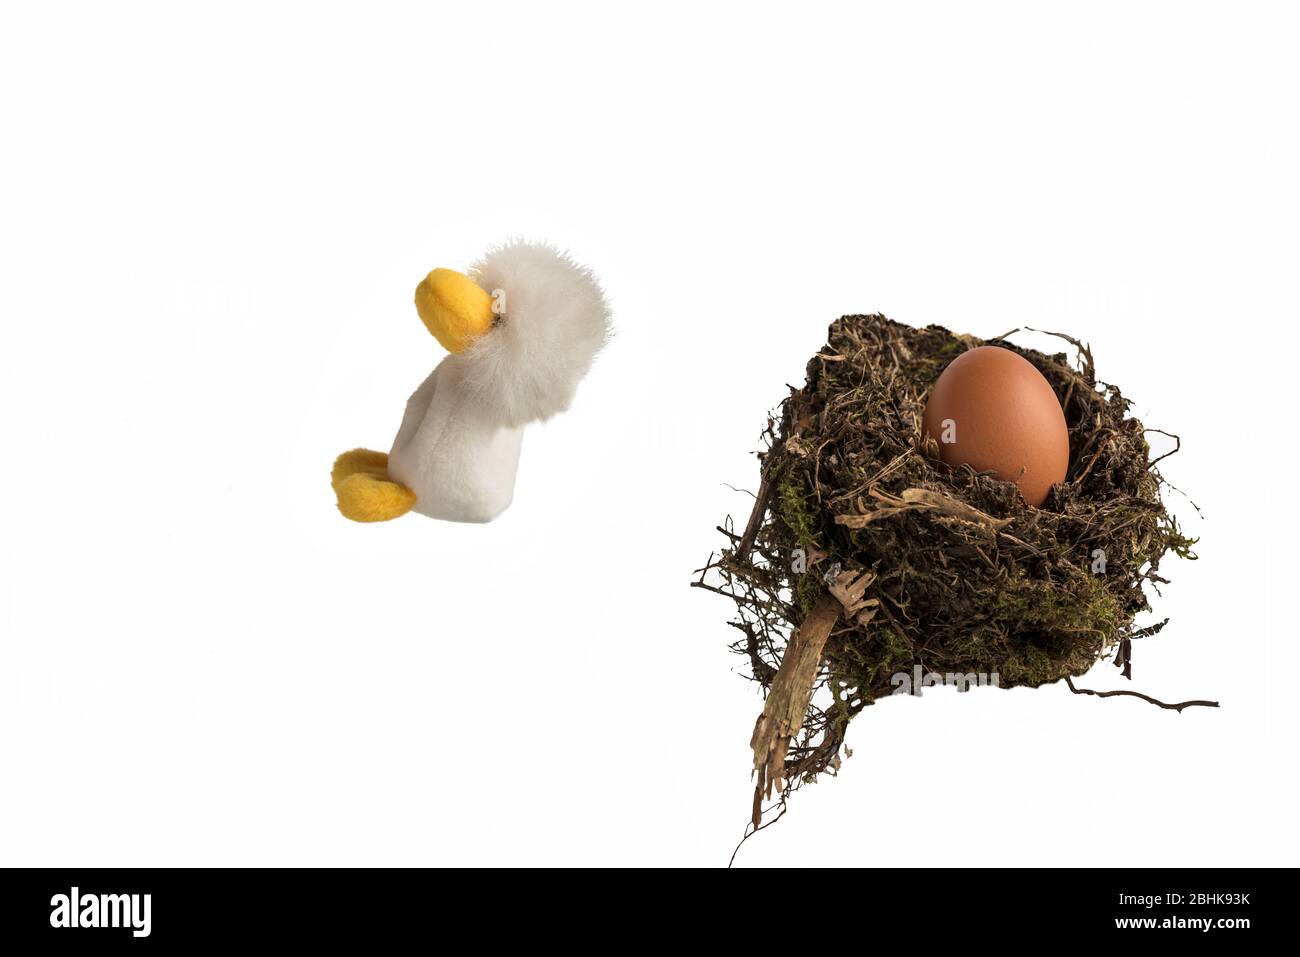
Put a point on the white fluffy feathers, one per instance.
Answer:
(528, 366)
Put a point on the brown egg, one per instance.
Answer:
(992, 410)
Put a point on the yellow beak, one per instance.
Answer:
(454, 308)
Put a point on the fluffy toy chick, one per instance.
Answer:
(522, 329)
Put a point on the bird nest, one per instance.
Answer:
(868, 566)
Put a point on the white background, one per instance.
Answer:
(211, 224)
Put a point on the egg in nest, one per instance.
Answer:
(992, 410)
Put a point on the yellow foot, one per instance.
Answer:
(364, 490)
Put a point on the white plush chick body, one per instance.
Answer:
(456, 453)
(457, 458)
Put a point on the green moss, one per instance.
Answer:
(799, 510)
(806, 591)
(1080, 605)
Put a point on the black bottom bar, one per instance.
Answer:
(787, 909)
